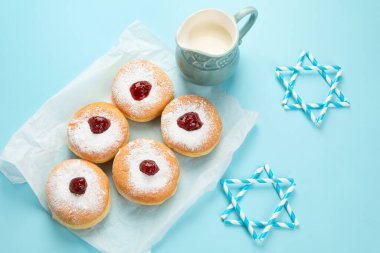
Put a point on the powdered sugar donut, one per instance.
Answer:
(97, 131)
(146, 172)
(141, 90)
(191, 125)
(78, 194)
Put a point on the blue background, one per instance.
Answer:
(45, 44)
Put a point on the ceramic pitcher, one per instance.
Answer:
(208, 44)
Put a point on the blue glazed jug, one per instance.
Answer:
(208, 42)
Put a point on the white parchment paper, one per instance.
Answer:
(41, 143)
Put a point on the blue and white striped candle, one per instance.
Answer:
(259, 181)
(336, 81)
(308, 68)
(331, 104)
(293, 77)
(261, 224)
(280, 194)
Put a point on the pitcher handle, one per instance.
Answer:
(250, 10)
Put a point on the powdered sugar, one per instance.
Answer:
(85, 140)
(142, 150)
(190, 139)
(134, 72)
(60, 196)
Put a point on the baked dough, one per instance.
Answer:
(78, 211)
(97, 147)
(137, 186)
(154, 98)
(195, 142)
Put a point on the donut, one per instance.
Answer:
(191, 126)
(141, 90)
(78, 194)
(146, 172)
(97, 131)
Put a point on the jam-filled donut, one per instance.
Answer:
(97, 131)
(141, 90)
(78, 194)
(191, 125)
(146, 172)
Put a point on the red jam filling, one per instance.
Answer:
(99, 124)
(149, 167)
(78, 185)
(190, 121)
(140, 90)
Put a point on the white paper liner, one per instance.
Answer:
(40, 144)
